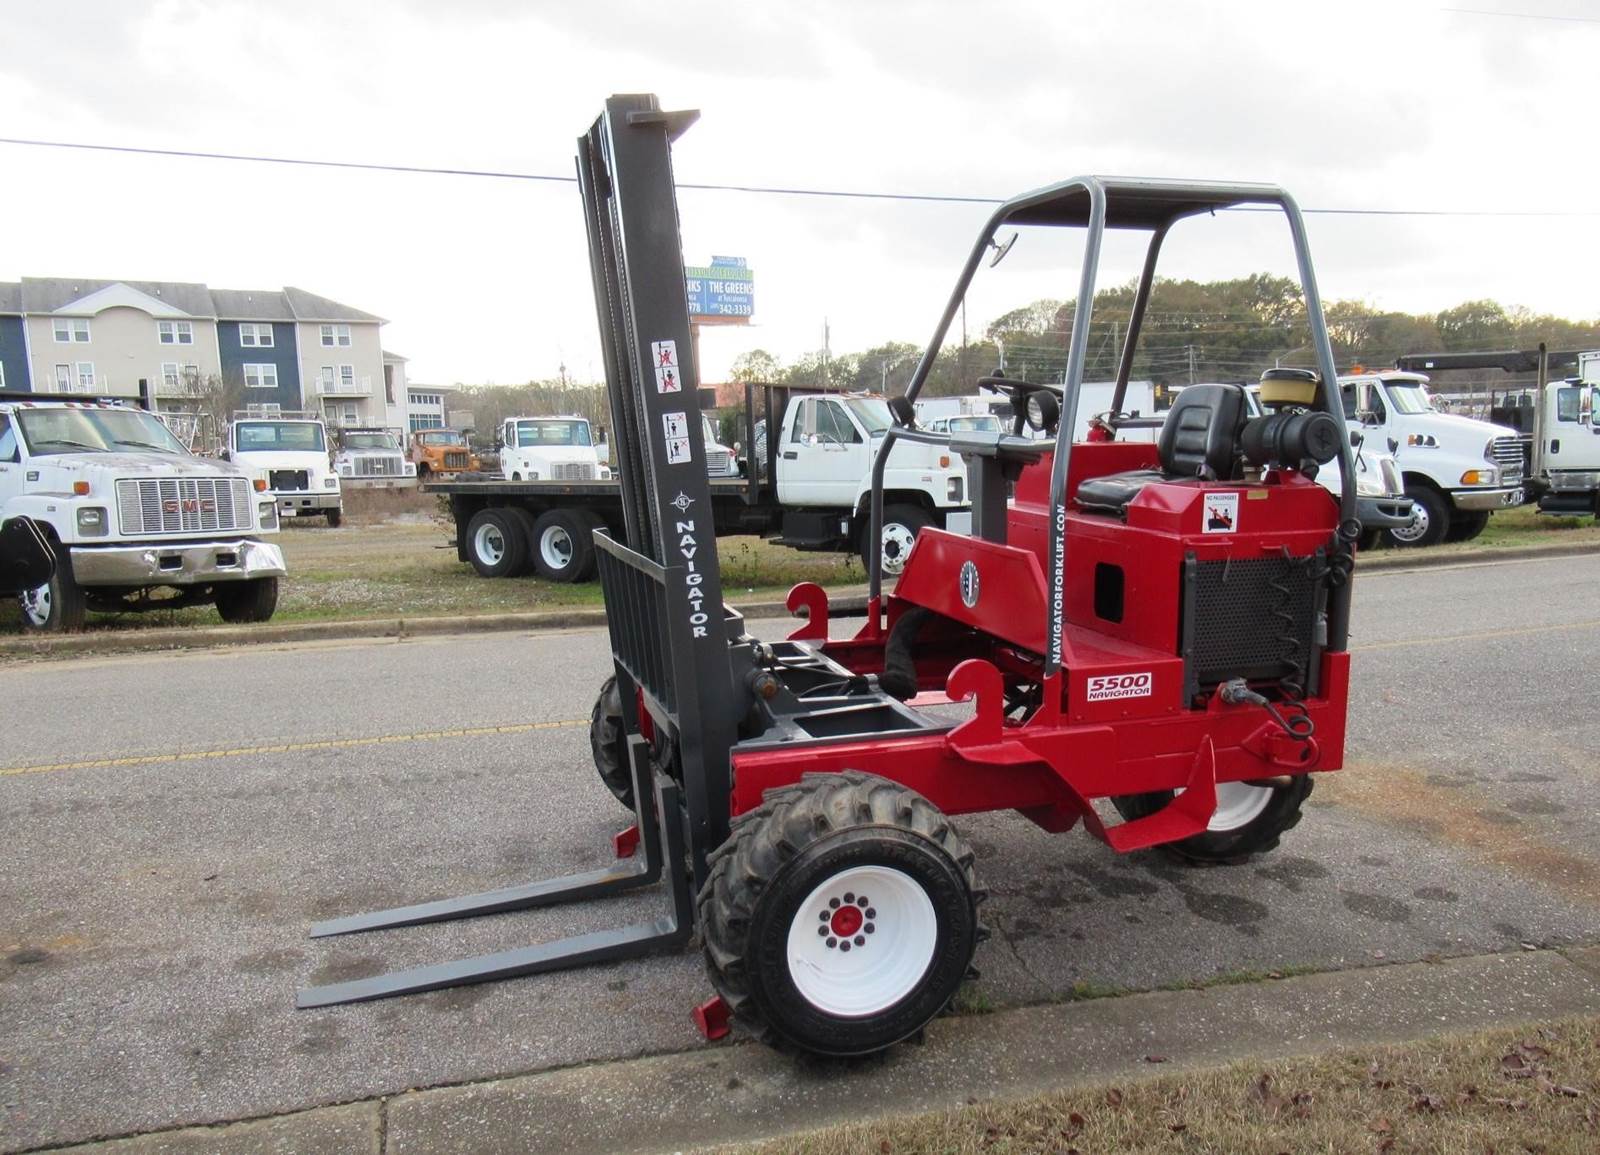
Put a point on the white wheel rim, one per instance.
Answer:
(887, 953)
(490, 544)
(897, 541)
(37, 604)
(1418, 526)
(555, 546)
(1238, 804)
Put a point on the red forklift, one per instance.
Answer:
(1160, 626)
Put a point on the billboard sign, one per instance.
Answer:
(721, 293)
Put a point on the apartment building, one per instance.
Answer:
(279, 349)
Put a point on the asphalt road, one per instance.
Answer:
(172, 825)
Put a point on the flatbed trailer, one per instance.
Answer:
(505, 528)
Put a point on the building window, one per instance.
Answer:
(174, 375)
(334, 336)
(85, 376)
(434, 399)
(72, 329)
(347, 377)
(426, 421)
(63, 378)
(175, 332)
(261, 376)
(255, 336)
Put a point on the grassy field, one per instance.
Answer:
(393, 557)
(1530, 1090)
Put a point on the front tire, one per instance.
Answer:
(57, 607)
(248, 601)
(840, 916)
(901, 524)
(1430, 518)
(1466, 525)
(1249, 820)
(608, 741)
(335, 518)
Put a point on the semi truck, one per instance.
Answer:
(821, 461)
(136, 522)
(1456, 470)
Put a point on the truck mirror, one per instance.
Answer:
(1356, 439)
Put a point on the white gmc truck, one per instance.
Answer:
(136, 521)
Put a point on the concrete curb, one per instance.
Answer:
(843, 605)
(741, 1092)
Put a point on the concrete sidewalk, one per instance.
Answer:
(848, 602)
(742, 1091)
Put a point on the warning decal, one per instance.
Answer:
(675, 432)
(1221, 513)
(664, 354)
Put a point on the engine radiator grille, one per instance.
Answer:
(1255, 618)
(182, 504)
(281, 480)
(387, 466)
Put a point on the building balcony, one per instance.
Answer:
(360, 387)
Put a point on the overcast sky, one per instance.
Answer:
(1396, 105)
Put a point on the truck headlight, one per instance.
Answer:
(1370, 485)
(410, 467)
(330, 482)
(533, 475)
(346, 468)
(1485, 476)
(952, 489)
(267, 511)
(92, 522)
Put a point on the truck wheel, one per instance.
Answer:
(248, 601)
(335, 518)
(563, 550)
(609, 743)
(1430, 518)
(841, 915)
(1465, 526)
(901, 524)
(1249, 819)
(526, 520)
(496, 545)
(58, 606)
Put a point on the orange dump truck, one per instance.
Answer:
(441, 453)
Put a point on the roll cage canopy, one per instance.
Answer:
(1096, 203)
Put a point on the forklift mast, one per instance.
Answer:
(663, 587)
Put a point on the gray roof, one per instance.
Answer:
(310, 307)
(10, 296)
(388, 356)
(47, 294)
(251, 305)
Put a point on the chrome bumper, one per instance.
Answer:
(177, 564)
(1476, 499)
(378, 482)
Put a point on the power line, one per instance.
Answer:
(769, 190)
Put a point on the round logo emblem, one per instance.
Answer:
(969, 583)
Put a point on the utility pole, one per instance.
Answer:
(1190, 348)
(824, 352)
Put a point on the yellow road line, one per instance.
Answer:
(1519, 632)
(290, 747)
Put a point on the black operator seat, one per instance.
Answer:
(1199, 439)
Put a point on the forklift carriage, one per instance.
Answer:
(1161, 626)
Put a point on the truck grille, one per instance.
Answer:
(1507, 453)
(378, 467)
(182, 504)
(279, 480)
(716, 461)
(455, 460)
(572, 471)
